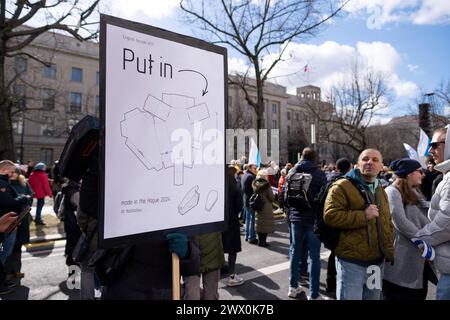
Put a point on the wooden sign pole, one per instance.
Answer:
(175, 277)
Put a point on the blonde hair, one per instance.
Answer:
(22, 180)
(410, 195)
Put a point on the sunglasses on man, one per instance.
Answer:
(435, 145)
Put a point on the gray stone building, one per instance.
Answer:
(50, 98)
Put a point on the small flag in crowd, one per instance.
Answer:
(412, 153)
(254, 157)
(422, 148)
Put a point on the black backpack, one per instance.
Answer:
(329, 236)
(255, 202)
(296, 194)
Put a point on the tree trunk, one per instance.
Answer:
(6, 136)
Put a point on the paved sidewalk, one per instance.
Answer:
(53, 229)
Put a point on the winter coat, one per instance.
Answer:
(265, 222)
(437, 232)
(9, 199)
(211, 251)
(281, 183)
(407, 271)
(147, 274)
(319, 179)
(231, 238)
(247, 190)
(345, 209)
(23, 230)
(39, 183)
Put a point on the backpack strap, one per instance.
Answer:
(368, 199)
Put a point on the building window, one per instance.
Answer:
(97, 79)
(288, 130)
(20, 92)
(289, 116)
(21, 64)
(48, 99)
(47, 155)
(17, 127)
(77, 74)
(49, 71)
(274, 124)
(274, 108)
(75, 102)
(47, 130)
(97, 104)
(297, 117)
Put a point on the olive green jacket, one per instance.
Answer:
(211, 249)
(344, 209)
(265, 220)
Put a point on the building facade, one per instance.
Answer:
(50, 98)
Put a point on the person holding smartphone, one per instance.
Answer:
(13, 263)
(10, 201)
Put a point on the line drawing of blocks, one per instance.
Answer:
(178, 174)
(178, 101)
(130, 129)
(189, 201)
(157, 107)
(165, 147)
(211, 200)
(198, 112)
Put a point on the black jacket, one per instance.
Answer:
(231, 238)
(246, 184)
(148, 272)
(9, 199)
(318, 180)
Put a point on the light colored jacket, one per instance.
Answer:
(437, 232)
(407, 270)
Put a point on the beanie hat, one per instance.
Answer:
(403, 167)
(39, 166)
(343, 165)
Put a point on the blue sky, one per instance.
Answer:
(406, 40)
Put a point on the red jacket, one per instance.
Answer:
(39, 183)
(281, 183)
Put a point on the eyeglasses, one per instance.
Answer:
(435, 145)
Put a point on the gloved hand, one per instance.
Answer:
(427, 250)
(178, 243)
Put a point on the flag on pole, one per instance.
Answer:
(412, 153)
(447, 143)
(422, 148)
(254, 157)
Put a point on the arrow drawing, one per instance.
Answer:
(204, 91)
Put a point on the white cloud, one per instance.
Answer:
(237, 65)
(433, 12)
(157, 9)
(330, 63)
(379, 56)
(406, 89)
(413, 67)
(381, 12)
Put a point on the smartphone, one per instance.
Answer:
(20, 217)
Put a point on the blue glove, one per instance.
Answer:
(427, 250)
(178, 243)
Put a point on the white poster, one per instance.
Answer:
(164, 134)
